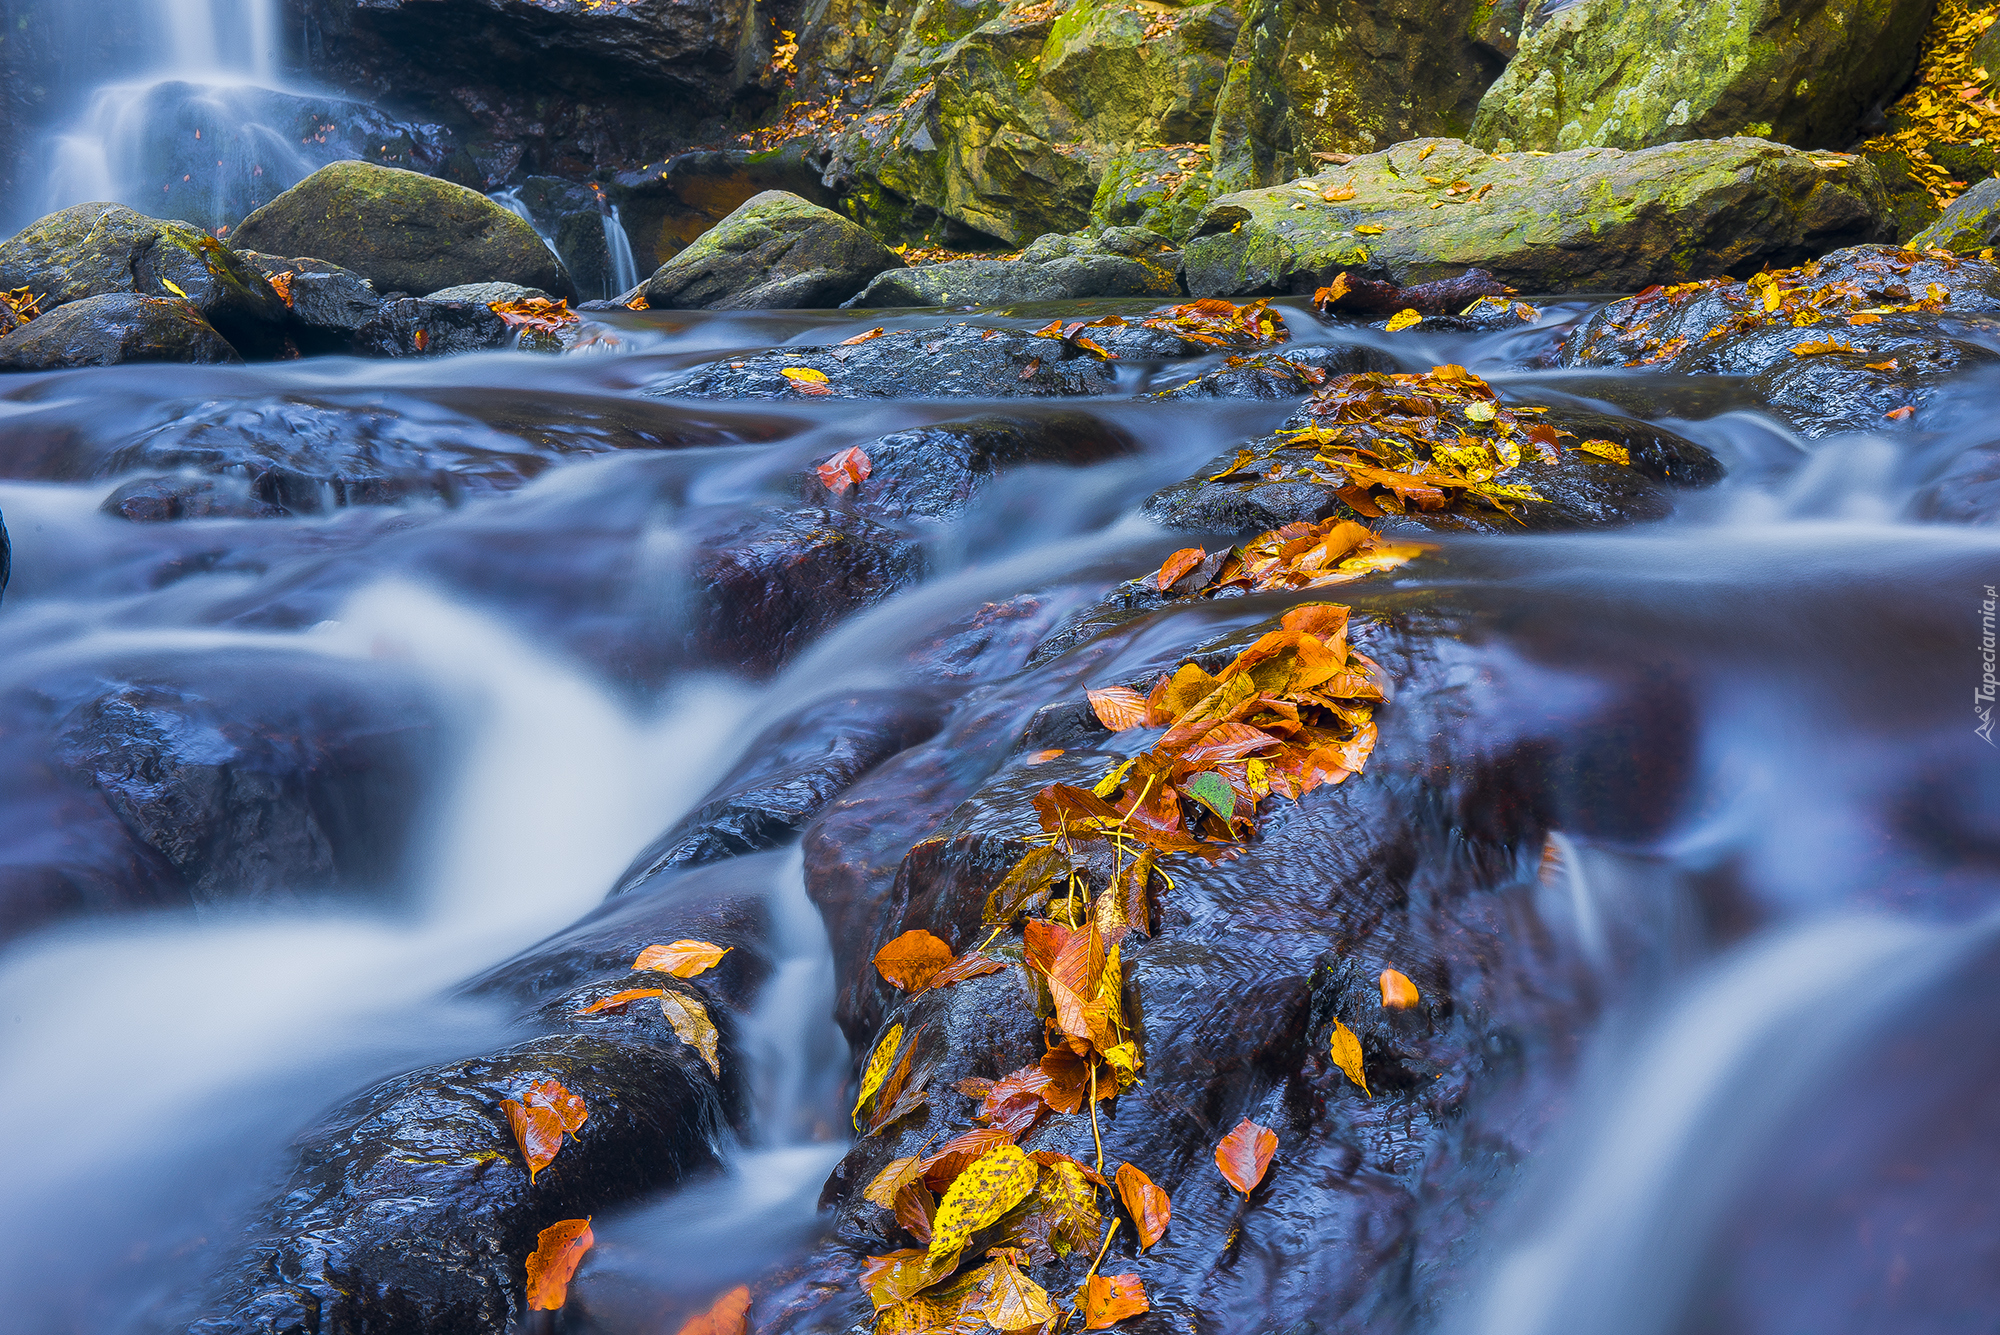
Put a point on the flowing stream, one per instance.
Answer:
(1818, 917)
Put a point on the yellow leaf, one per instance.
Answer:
(999, 1180)
(173, 287)
(1817, 346)
(1369, 229)
(1398, 992)
(1013, 1301)
(690, 1020)
(1403, 319)
(898, 1174)
(1347, 1056)
(1605, 449)
(682, 959)
(1425, 152)
(1482, 410)
(804, 373)
(878, 1069)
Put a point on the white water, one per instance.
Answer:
(617, 244)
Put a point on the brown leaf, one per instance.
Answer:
(682, 959)
(1028, 371)
(1398, 992)
(1050, 1158)
(558, 1249)
(1245, 1155)
(1149, 1207)
(912, 960)
(849, 468)
(1023, 882)
(729, 1315)
(1182, 561)
(964, 967)
(1118, 707)
(959, 1153)
(690, 1021)
(915, 1208)
(1109, 1299)
(618, 1001)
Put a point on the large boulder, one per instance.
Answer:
(774, 251)
(1971, 223)
(110, 330)
(1121, 262)
(956, 362)
(402, 231)
(664, 210)
(99, 249)
(1585, 220)
(1605, 73)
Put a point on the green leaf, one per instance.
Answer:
(1212, 791)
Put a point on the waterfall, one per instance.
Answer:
(618, 245)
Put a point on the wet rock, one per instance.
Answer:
(1286, 374)
(95, 250)
(933, 472)
(664, 211)
(1970, 223)
(571, 219)
(959, 361)
(1123, 262)
(1605, 74)
(1966, 492)
(1443, 296)
(1595, 219)
(791, 771)
(151, 500)
(768, 584)
(775, 251)
(426, 327)
(996, 640)
(402, 231)
(113, 330)
(329, 304)
(486, 294)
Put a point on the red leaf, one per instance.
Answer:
(966, 966)
(1245, 1154)
(912, 960)
(848, 468)
(1149, 1207)
(1182, 561)
(558, 1249)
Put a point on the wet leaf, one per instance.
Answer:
(876, 332)
(1398, 992)
(849, 468)
(877, 1070)
(1212, 791)
(1346, 1051)
(1245, 1155)
(1065, 1211)
(1013, 1301)
(915, 1209)
(951, 1159)
(558, 1250)
(966, 966)
(689, 1019)
(1028, 371)
(539, 315)
(1109, 1299)
(1606, 449)
(1182, 561)
(1044, 756)
(540, 1117)
(618, 1001)
(682, 959)
(1118, 707)
(1149, 1207)
(1820, 346)
(898, 1277)
(803, 375)
(896, 1175)
(173, 287)
(912, 960)
(995, 1184)
(1482, 410)
(1024, 880)
(1369, 229)
(729, 1315)
(1889, 365)
(1898, 414)
(1402, 320)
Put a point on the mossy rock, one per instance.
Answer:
(1599, 220)
(1162, 189)
(775, 251)
(98, 249)
(1605, 73)
(1139, 74)
(1971, 224)
(403, 231)
(112, 330)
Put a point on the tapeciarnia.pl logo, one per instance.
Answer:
(1982, 695)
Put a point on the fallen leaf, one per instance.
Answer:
(877, 1069)
(1212, 791)
(1347, 1056)
(689, 1019)
(1898, 414)
(1819, 346)
(682, 959)
(1889, 365)
(1369, 229)
(1013, 1301)
(897, 1277)
(1606, 449)
(1109, 1299)
(1482, 410)
(558, 1249)
(618, 1001)
(996, 1182)
(729, 1315)
(1024, 880)
(1245, 1155)
(1118, 707)
(966, 966)
(912, 959)
(1402, 320)
(850, 467)
(1044, 756)
(1426, 151)
(803, 375)
(1149, 1207)
(1182, 561)
(1028, 371)
(540, 1117)
(898, 1174)
(1398, 992)
(876, 332)
(173, 287)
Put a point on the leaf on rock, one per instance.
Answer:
(682, 959)
(897, 1277)
(1013, 1301)
(1149, 1207)
(1182, 561)
(1245, 1155)
(1402, 320)
(915, 1209)
(959, 1153)
(1000, 1180)
(1213, 791)
(849, 468)
(1023, 882)
(1898, 414)
(805, 378)
(1606, 449)
(1109, 1299)
(618, 1001)
(1118, 707)
(539, 1118)
(876, 332)
(1820, 346)
(964, 967)
(898, 1174)
(690, 1020)
(729, 1316)
(1369, 229)
(1889, 365)
(1398, 992)
(877, 1070)
(558, 1249)
(1346, 1049)
(912, 960)
(539, 315)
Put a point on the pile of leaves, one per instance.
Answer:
(540, 321)
(18, 307)
(1212, 321)
(1951, 101)
(1296, 556)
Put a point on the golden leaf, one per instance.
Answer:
(1398, 992)
(1013, 1301)
(682, 959)
(1482, 410)
(1369, 229)
(877, 1069)
(1347, 1056)
(1402, 320)
(1605, 449)
(690, 1020)
(997, 1182)
(804, 375)
(898, 1174)
(1118, 707)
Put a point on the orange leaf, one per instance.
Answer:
(1028, 371)
(727, 1317)
(912, 960)
(964, 967)
(1245, 1154)
(1898, 414)
(1042, 757)
(558, 1249)
(876, 332)
(848, 468)
(1118, 707)
(1182, 561)
(618, 1001)
(538, 1131)
(682, 959)
(1398, 992)
(568, 1108)
(1149, 1207)
(1109, 1299)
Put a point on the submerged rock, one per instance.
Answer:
(428, 327)
(113, 330)
(958, 361)
(1587, 220)
(933, 472)
(775, 251)
(402, 231)
(1122, 262)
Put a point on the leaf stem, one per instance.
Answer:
(1095, 1138)
(1116, 1220)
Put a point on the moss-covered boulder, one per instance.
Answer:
(115, 328)
(775, 251)
(402, 231)
(1972, 223)
(1607, 73)
(1588, 220)
(93, 250)
(1121, 262)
